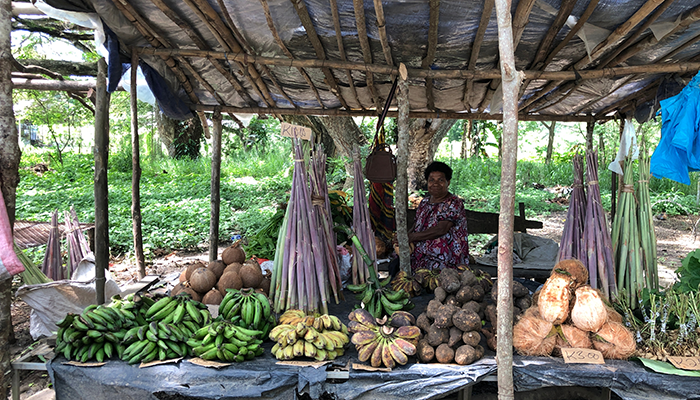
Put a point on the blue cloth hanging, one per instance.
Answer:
(678, 151)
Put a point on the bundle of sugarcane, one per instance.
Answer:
(53, 261)
(302, 278)
(361, 224)
(78, 247)
(31, 275)
(322, 208)
(625, 238)
(646, 225)
(598, 256)
(572, 236)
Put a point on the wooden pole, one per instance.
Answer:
(401, 188)
(101, 191)
(136, 172)
(215, 184)
(511, 87)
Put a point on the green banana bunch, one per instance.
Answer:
(223, 341)
(248, 309)
(381, 300)
(321, 337)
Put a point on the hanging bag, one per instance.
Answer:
(380, 165)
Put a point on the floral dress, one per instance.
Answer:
(452, 248)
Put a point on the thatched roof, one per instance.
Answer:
(339, 57)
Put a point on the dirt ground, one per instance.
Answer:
(675, 239)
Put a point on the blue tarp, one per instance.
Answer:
(678, 151)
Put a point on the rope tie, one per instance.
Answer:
(627, 189)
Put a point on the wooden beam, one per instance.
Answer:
(507, 41)
(381, 26)
(393, 114)
(223, 35)
(285, 50)
(435, 74)
(341, 49)
(303, 14)
(136, 171)
(476, 47)
(690, 17)
(101, 188)
(434, 21)
(215, 188)
(248, 49)
(48, 85)
(401, 189)
(361, 24)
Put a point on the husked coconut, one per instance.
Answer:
(235, 267)
(217, 267)
(553, 301)
(588, 313)
(533, 336)
(212, 297)
(251, 274)
(202, 280)
(571, 336)
(575, 268)
(233, 253)
(229, 280)
(614, 341)
(191, 268)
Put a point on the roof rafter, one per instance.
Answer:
(476, 48)
(285, 50)
(432, 48)
(341, 48)
(303, 14)
(361, 24)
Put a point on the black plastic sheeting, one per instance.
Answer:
(628, 379)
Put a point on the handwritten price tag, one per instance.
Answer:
(689, 363)
(295, 131)
(582, 356)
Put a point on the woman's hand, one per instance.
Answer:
(435, 232)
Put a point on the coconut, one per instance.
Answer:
(233, 253)
(553, 301)
(202, 280)
(212, 297)
(181, 288)
(229, 280)
(251, 274)
(575, 268)
(191, 268)
(571, 336)
(589, 313)
(235, 267)
(614, 341)
(533, 336)
(217, 267)
(613, 315)
(265, 284)
(183, 276)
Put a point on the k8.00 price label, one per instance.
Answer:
(582, 356)
(689, 363)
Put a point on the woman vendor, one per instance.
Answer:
(439, 234)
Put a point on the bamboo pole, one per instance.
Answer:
(511, 86)
(401, 188)
(215, 185)
(101, 188)
(136, 172)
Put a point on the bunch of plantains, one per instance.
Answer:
(248, 309)
(381, 343)
(223, 341)
(321, 337)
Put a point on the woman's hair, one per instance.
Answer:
(439, 167)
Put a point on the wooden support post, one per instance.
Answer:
(101, 191)
(401, 188)
(511, 87)
(136, 172)
(215, 183)
(590, 125)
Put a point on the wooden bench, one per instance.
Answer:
(486, 222)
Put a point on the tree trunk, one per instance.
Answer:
(468, 129)
(181, 138)
(550, 141)
(475, 138)
(9, 178)
(425, 137)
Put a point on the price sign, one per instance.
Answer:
(582, 356)
(295, 131)
(689, 363)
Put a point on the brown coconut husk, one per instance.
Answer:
(576, 269)
(614, 341)
(533, 336)
(555, 296)
(589, 312)
(613, 315)
(571, 336)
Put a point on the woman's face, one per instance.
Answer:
(437, 184)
